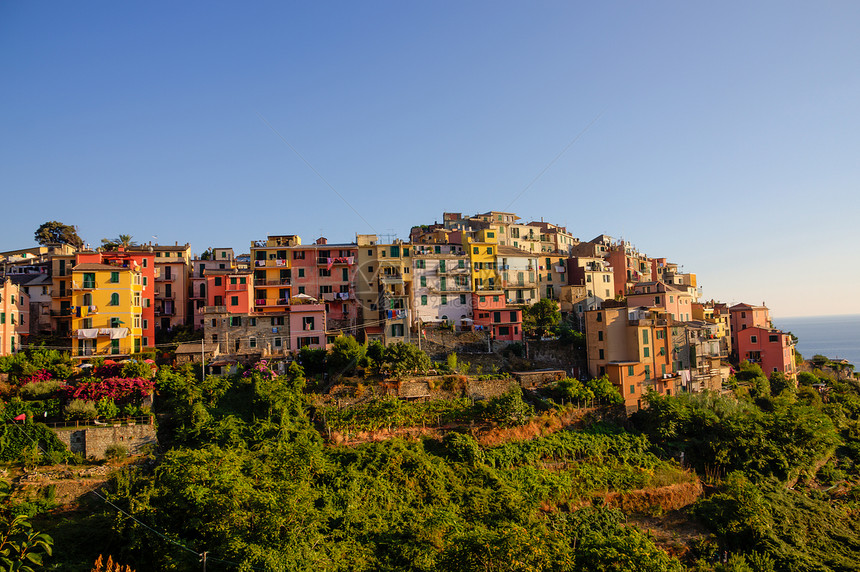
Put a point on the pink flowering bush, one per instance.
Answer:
(262, 368)
(119, 389)
(37, 376)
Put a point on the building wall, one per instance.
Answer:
(14, 316)
(94, 310)
(771, 349)
(93, 441)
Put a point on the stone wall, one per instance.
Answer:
(93, 441)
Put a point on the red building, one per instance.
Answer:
(491, 313)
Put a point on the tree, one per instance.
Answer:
(346, 353)
(123, 240)
(53, 232)
(541, 317)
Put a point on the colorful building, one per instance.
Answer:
(144, 263)
(519, 271)
(633, 347)
(492, 314)
(14, 316)
(678, 303)
(441, 285)
(217, 259)
(107, 309)
(172, 284)
(384, 286)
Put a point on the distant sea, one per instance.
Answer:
(831, 336)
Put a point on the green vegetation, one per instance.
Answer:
(246, 474)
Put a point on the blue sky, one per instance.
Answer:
(724, 137)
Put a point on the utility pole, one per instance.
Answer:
(202, 359)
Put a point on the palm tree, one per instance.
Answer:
(123, 240)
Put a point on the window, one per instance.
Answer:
(753, 339)
(646, 352)
(301, 272)
(115, 322)
(370, 268)
(217, 281)
(419, 264)
(423, 300)
(504, 331)
(599, 335)
(600, 316)
(146, 324)
(644, 336)
(279, 343)
(632, 389)
(277, 320)
(114, 299)
(145, 265)
(145, 281)
(235, 321)
(308, 323)
(600, 354)
(252, 342)
(232, 280)
(630, 370)
(773, 338)
(234, 300)
(656, 300)
(671, 299)
(462, 299)
(647, 372)
(444, 300)
(495, 298)
(489, 250)
(114, 278)
(423, 281)
(513, 316)
(214, 322)
(89, 280)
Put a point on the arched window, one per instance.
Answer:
(114, 299)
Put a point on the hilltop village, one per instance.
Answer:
(488, 395)
(644, 325)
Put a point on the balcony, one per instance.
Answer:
(272, 263)
(348, 260)
(335, 296)
(62, 312)
(391, 279)
(281, 282)
(214, 309)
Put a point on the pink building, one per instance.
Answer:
(743, 316)
(770, 349)
(491, 312)
(676, 302)
(307, 326)
(14, 316)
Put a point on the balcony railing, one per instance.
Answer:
(62, 312)
(281, 282)
(349, 260)
(334, 296)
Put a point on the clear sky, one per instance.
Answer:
(723, 136)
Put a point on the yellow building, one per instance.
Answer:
(106, 308)
(272, 264)
(482, 256)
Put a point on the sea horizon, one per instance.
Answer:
(836, 336)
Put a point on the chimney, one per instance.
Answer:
(322, 240)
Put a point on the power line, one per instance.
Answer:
(557, 157)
